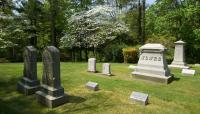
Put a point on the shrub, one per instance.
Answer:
(130, 54)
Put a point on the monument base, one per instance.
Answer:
(92, 71)
(27, 86)
(51, 97)
(178, 66)
(106, 74)
(154, 78)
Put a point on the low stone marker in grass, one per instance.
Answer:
(92, 86)
(131, 67)
(29, 84)
(188, 72)
(92, 65)
(106, 69)
(152, 64)
(198, 65)
(140, 98)
(51, 93)
(179, 56)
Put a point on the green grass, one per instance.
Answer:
(182, 96)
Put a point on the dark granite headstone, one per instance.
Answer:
(51, 93)
(29, 84)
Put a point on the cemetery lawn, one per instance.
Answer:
(182, 96)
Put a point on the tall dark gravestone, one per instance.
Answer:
(51, 93)
(29, 84)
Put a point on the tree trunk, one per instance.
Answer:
(143, 21)
(53, 9)
(86, 54)
(80, 54)
(139, 34)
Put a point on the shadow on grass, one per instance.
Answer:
(12, 102)
(176, 78)
(75, 99)
(8, 85)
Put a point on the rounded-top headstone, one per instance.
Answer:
(29, 84)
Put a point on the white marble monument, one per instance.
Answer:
(179, 56)
(106, 69)
(152, 64)
(92, 65)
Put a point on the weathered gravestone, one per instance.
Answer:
(140, 98)
(92, 86)
(152, 64)
(179, 56)
(106, 69)
(188, 72)
(51, 93)
(91, 65)
(29, 84)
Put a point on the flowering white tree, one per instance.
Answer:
(93, 28)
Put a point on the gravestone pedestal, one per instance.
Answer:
(51, 96)
(29, 84)
(152, 64)
(51, 93)
(179, 56)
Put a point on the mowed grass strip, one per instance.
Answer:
(182, 96)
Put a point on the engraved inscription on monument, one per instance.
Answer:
(51, 93)
(29, 84)
(152, 64)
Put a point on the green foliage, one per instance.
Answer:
(179, 19)
(112, 53)
(167, 41)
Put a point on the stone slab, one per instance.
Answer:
(140, 98)
(92, 86)
(152, 77)
(188, 72)
(178, 66)
(49, 100)
(26, 89)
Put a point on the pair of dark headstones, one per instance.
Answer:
(50, 92)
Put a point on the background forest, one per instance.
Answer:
(104, 29)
